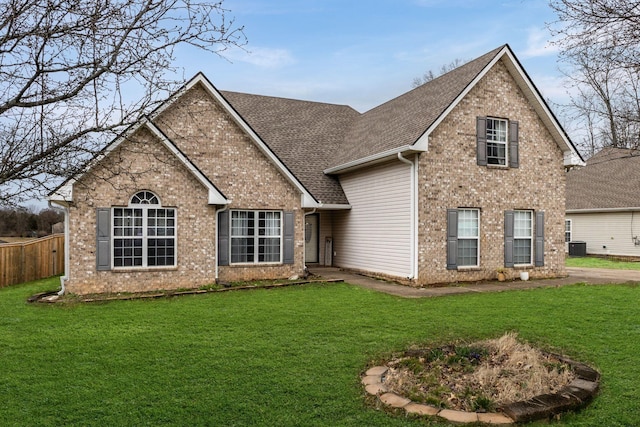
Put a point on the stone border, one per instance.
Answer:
(573, 396)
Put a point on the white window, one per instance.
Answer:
(567, 230)
(497, 141)
(468, 237)
(256, 237)
(522, 237)
(144, 233)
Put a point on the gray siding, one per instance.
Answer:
(609, 233)
(375, 235)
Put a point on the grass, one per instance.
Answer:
(595, 262)
(284, 357)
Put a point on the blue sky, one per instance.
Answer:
(363, 53)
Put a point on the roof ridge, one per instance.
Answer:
(402, 120)
(284, 98)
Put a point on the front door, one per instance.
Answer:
(311, 239)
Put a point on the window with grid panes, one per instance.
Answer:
(144, 233)
(496, 141)
(522, 237)
(256, 236)
(468, 237)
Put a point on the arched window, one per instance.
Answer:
(144, 198)
(144, 233)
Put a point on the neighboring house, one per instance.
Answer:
(445, 183)
(603, 203)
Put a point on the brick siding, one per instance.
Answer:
(450, 178)
(224, 153)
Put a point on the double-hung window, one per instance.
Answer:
(522, 237)
(468, 237)
(144, 233)
(256, 236)
(463, 238)
(496, 141)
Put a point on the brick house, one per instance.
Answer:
(448, 182)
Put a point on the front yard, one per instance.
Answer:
(283, 357)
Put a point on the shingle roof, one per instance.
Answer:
(310, 137)
(402, 120)
(610, 180)
(303, 134)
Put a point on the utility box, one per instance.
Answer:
(577, 248)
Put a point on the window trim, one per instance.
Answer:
(144, 206)
(476, 238)
(256, 237)
(531, 237)
(492, 141)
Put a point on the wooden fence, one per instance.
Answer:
(36, 259)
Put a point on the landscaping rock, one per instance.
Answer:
(420, 409)
(394, 400)
(458, 416)
(493, 418)
(370, 379)
(376, 388)
(377, 370)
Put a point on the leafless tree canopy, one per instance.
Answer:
(75, 73)
(430, 75)
(600, 42)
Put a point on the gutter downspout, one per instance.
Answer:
(217, 240)
(305, 240)
(65, 277)
(414, 216)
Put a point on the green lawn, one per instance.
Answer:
(594, 262)
(283, 357)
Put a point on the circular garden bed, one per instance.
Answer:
(496, 381)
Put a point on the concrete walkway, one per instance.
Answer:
(576, 275)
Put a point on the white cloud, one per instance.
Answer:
(263, 57)
(538, 43)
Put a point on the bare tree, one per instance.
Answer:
(75, 74)
(430, 75)
(600, 42)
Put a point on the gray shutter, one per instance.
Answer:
(514, 158)
(452, 239)
(103, 239)
(289, 227)
(539, 255)
(223, 238)
(481, 140)
(508, 238)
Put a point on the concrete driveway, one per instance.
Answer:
(576, 275)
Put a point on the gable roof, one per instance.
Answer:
(401, 121)
(309, 142)
(404, 124)
(309, 200)
(610, 181)
(64, 193)
(305, 136)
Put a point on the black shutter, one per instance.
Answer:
(452, 239)
(223, 238)
(103, 239)
(508, 238)
(289, 227)
(481, 140)
(539, 255)
(514, 158)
